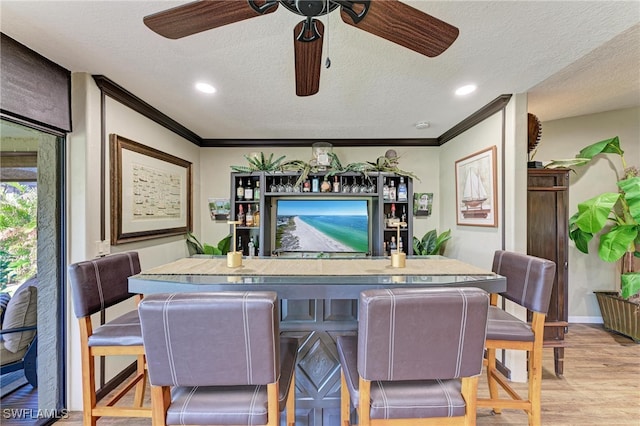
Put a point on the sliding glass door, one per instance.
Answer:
(31, 245)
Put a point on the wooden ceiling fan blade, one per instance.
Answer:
(308, 56)
(406, 26)
(198, 16)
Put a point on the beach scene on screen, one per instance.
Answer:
(322, 226)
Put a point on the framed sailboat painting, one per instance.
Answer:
(476, 193)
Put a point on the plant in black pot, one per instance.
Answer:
(615, 217)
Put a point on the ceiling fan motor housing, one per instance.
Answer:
(311, 7)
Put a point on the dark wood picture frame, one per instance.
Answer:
(151, 192)
(476, 189)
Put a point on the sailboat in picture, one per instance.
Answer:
(474, 195)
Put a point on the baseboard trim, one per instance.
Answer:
(585, 320)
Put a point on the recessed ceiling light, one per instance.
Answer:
(465, 90)
(205, 87)
(422, 125)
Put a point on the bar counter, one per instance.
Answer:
(318, 303)
(311, 278)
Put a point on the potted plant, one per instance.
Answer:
(431, 243)
(195, 247)
(615, 217)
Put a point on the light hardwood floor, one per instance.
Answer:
(601, 385)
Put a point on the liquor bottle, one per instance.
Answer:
(315, 184)
(336, 184)
(240, 190)
(256, 191)
(241, 217)
(403, 218)
(392, 191)
(385, 190)
(306, 187)
(325, 186)
(402, 190)
(392, 245)
(239, 246)
(248, 191)
(252, 248)
(249, 216)
(256, 218)
(400, 247)
(392, 220)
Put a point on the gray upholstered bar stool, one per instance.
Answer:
(529, 284)
(417, 357)
(218, 359)
(97, 285)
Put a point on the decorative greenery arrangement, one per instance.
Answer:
(18, 233)
(195, 247)
(431, 243)
(260, 164)
(613, 215)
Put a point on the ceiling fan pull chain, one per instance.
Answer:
(327, 63)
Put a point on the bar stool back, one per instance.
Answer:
(529, 284)
(417, 357)
(217, 359)
(97, 285)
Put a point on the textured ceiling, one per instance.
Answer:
(573, 57)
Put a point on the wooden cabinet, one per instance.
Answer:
(547, 237)
(274, 187)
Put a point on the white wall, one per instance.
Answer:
(475, 244)
(506, 130)
(83, 204)
(564, 139)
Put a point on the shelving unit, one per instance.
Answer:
(275, 186)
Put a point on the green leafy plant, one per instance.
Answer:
(260, 164)
(18, 233)
(298, 166)
(615, 216)
(195, 247)
(390, 165)
(431, 243)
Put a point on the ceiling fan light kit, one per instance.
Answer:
(392, 20)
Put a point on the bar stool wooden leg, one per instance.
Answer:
(535, 383)
(345, 402)
(491, 380)
(138, 398)
(291, 402)
(88, 394)
(364, 403)
(160, 400)
(470, 394)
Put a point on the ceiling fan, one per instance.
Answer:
(389, 19)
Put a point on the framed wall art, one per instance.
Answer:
(422, 203)
(219, 208)
(150, 192)
(476, 193)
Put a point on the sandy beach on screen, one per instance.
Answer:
(313, 240)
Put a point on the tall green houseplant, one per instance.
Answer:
(615, 216)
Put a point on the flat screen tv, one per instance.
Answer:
(327, 226)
